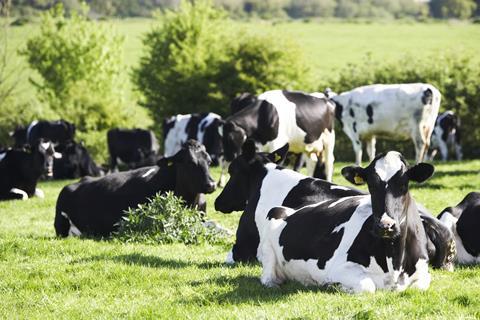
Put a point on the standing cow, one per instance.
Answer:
(363, 243)
(446, 133)
(134, 147)
(203, 127)
(397, 111)
(94, 206)
(277, 117)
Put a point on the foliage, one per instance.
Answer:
(456, 75)
(311, 8)
(166, 219)
(80, 64)
(461, 9)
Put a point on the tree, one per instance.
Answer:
(461, 9)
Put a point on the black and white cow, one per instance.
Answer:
(94, 206)
(277, 117)
(258, 184)
(363, 243)
(242, 101)
(394, 111)
(446, 133)
(464, 221)
(74, 163)
(134, 147)
(59, 132)
(203, 127)
(20, 169)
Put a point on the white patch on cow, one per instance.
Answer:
(333, 204)
(45, 145)
(177, 135)
(318, 94)
(20, 192)
(149, 172)
(2, 155)
(39, 193)
(30, 127)
(57, 155)
(463, 257)
(386, 219)
(73, 231)
(389, 165)
(335, 187)
(205, 123)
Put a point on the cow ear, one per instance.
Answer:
(249, 149)
(278, 156)
(354, 174)
(420, 172)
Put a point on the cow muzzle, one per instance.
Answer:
(387, 227)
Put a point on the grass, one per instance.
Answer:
(45, 277)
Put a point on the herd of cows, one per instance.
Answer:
(299, 227)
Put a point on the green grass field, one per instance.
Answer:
(42, 277)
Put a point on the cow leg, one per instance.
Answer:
(432, 155)
(224, 165)
(371, 148)
(299, 162)
(311, 160)
(113, 163)
(353, 279)
(246, 242)
(357, 148)
(443, 147)
(458, 151)
(270, 275)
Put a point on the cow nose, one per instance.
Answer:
(210, 186)
(386, 226)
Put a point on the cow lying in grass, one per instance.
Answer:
(94, 206)
(363, 243)
(258, 184)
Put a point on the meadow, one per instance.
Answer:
(42, 277)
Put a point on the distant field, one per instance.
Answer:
(328, 46)
(42, 277)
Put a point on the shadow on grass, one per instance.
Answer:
(454, 173)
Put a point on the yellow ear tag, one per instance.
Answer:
(169, 163)
(277, 157)
(358, 179)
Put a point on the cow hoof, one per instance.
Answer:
(229, 260)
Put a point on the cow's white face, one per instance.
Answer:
(387, 178)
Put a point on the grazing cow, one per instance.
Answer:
(397, 111)
(134, 147)
(94, 206)
(74, 163)
(464, 221)
(278, 117)
(203, 127)
(20, 170)
(253, 176)
(363, 243)
(446, 133)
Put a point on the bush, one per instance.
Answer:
(166, 219)
(80, 63)
(461, 9)
(455, 75)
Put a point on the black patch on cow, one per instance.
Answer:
(277, 213)
(59, 132)
(338, 112)
(352, 113)
(427, 96)
(168, 124)
(193, 125)
(313, 115)
(357, 141)
(309, 234)
(370, 113)
(469, 223)
(241, 102)
(448, 123)
(440, 241)
(355, 126)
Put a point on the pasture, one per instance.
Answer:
(45, 277)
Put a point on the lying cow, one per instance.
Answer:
(278, 117)
(446, 133)
(74, 163)
(363, 243)
(257, 184)
(397, 111)
(59, 132)
(94, 206)
(203, 127)
(20, 170)
(134, 147)
(464, 221)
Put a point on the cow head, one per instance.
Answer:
(233, 138)
(245, 171)
(44, 152)
(191, 164)
(387, 178)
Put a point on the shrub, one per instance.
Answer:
(166, 219)
(455, 75)
(80, 64)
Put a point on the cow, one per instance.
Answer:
(134, 147)
(203, 127)
(446, 133)
(394, 111)
(363, 243)
(20, 169)
(95, 206)
(74, 163)
(242, 101)
(278, 117)
(257, 184)
(464, 221)
(19, 136)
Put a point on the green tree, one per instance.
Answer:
(461, 9)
